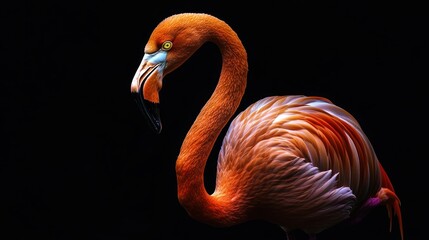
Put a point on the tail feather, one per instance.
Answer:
(393, 204)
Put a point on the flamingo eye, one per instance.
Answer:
(166, 45)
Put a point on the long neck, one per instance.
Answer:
(212, 209)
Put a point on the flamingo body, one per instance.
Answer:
(283, 153)
(297, 161)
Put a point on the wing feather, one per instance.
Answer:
(304, 143)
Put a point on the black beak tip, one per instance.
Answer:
(157, 127)
(151, 111)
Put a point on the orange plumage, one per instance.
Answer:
(297, 161)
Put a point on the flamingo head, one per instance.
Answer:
(171, 43)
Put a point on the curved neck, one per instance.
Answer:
(212, 209)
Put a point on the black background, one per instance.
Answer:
(79, 162)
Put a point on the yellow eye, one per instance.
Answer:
(167, 45)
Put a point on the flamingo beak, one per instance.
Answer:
(149, 108)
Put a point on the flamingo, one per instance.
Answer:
(297, 161)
